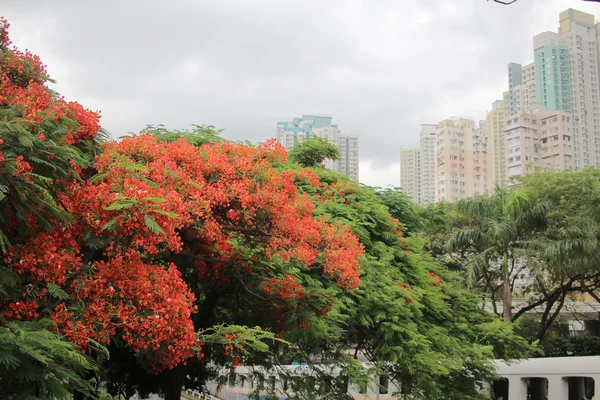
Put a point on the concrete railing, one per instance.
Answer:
(559, 378)
(193, 394)
(554, 378)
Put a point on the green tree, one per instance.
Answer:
(46, 144)
(410, 315)
(501, 225)
(35, 363)
(566, 253)
(402, 208)
(313, 151)
(197, 135)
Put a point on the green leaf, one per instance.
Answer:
(120, 204)
(26, 139)
(152, 224)
(155, 199)
(167, 213)
(108, 226)
(132, 166)
(99, 177)
(57, 291)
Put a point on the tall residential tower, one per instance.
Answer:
(298, 129)
(579, 33)
(496, 143)
(410, 171)
(427, 176)
(460, 160)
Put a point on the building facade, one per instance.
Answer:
(289, 133)
(410, 173)
(578, 32)
(552, 72)
(528, 91)
(495, 120)
(427, 155)
(521, 88)
(460, 160)
(539, 140)
(515, 89)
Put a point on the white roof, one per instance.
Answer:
(574, 366)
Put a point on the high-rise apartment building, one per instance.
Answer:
(460, 160)
(495, 120)
(528, 88)
(539, 140)
(521, 88)
(552, 72)
(515, 89)
(579, 33)
(427, 155)
(298, 129)
(410, 172)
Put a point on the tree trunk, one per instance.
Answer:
(86, 375)
(173, 384)
(506, 292)
(172, 389)
(506, 301)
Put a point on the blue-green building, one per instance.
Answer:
(289, 133)
(553, 78)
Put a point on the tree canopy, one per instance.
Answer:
(149, 263)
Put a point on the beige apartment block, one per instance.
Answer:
(288, 133)
(410, 171)
(528, 91)
(427, 175)
(495, 120)
(578, 31)
(460, 160)
(539, 140)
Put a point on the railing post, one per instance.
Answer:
(558, 388)
(517, 388)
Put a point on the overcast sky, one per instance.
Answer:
(379, 67)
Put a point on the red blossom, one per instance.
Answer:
(437, 279)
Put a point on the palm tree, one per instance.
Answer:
(500, 226)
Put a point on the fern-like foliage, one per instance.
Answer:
(35, 363)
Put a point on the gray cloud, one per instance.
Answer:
(380, 68)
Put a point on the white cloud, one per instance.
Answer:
(380, 68)
(379, 175)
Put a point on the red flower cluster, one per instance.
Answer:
(437, 279)
(219, 195)
(406, 287)
(223, 205)
(154, 197)
(286, 288)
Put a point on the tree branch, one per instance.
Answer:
(590, 292)
(246, 288)
(545, 326)
(568, 287)
(207, 259)
(245, 229)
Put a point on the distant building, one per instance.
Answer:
(515, 88)
(410, 173)
(579, 32)
(552, 72)
(460, 160)
(427, 173)
(496, 142)
(539, 140)
(521, 88)
(528, 88)
(298, 129)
